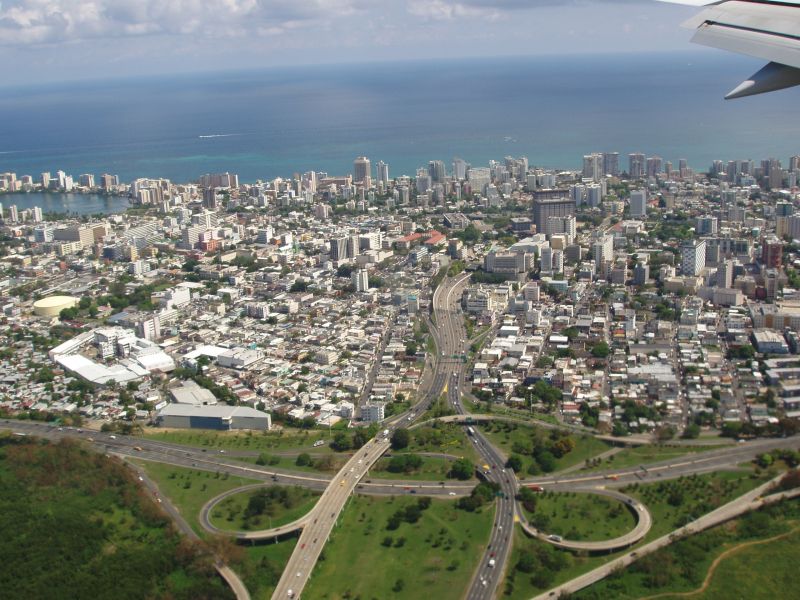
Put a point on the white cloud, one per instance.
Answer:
(48, 21)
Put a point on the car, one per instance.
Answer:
(451, 494)
(413, 491)
(113, 437)
(159, 500)
(555, 538)
(222, 451)
(302, 546)
(141, 478)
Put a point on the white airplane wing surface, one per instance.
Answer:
(768, 29)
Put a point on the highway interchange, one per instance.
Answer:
(447, 379)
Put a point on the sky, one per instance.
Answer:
(45, 41)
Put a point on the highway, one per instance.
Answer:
(323, 517)
(451, 340)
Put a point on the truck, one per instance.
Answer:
(385, 433)
(470, 431)
(491, 562)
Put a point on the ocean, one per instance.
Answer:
(278, 122)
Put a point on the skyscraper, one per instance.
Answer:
(636, 165)
(693, 257)
(382, 172)
(611, 163)
(361, 170)
(655, 165)
(437, 171)
(360, 280)
(460, 167)
(593, 167)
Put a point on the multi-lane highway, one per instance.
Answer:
(323, 518)
(451, 340)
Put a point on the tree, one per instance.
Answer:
(546, 461)
(411, 349)
(341, 442)
(691, 432)
(400, 439)
(462, 469)
(601, 350)
(514, 463)
(303, 460)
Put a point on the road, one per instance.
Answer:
(323, 517)
(451, 340)
(644, 521)
(750, 501)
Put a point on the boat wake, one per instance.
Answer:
(217, 135)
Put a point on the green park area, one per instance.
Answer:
(79, 525)
(536, 566)
(280, 440)
(753, 557)
(578, 516)
(413, 467)
(534, 450)
(189, 489)
(414, 548)
(263, 508)
(644, 455)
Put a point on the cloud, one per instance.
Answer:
(53, 21)
(493, 9)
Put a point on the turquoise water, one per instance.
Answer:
(82, 204)
(276, 123)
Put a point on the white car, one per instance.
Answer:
(451, 494)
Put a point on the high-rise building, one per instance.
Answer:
(641, 274)
(37, 214)
(555, 225)
(360, 279)
(45, 179)
(87, 180)
(611, 163)
(636, 166)
(638, 204)
(594, 195)
(437, 171)
(593, 166)
(693, 257)
(544, 208)
(546, 259)
(382, 172)
(108, 182)
(706, 225)
(725, 274)
(602, 252)
(479, 178)
(655, 165)
(361, 170)
(13, 213)
(772, 253)
(460, 167)
(338, 248)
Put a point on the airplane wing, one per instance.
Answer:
(768, 29)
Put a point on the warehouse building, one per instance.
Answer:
(221, 418)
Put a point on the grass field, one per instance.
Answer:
(519, 439)
(432, 558)
(188, 489)
(432, 469)
(230, 514)
(262, 565)
(643, 455)
(673, 503)
(446, 438)
(268, 441)
(581, 517)
(753, 557)
(700, 495)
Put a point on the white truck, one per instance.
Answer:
(491, 562)
(385, 433)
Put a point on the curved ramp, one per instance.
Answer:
(263, 534)
(644, 521)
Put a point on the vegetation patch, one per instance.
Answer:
(79, 525)
(264, 508)
(432, 552)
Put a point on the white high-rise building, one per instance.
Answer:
(546, 259)
(693, 257)
(460, 167)
(360, 280)
(593, 167)
(638, 203)
(382, 172)
(603, 252)
(37, 214)
(594, 195)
